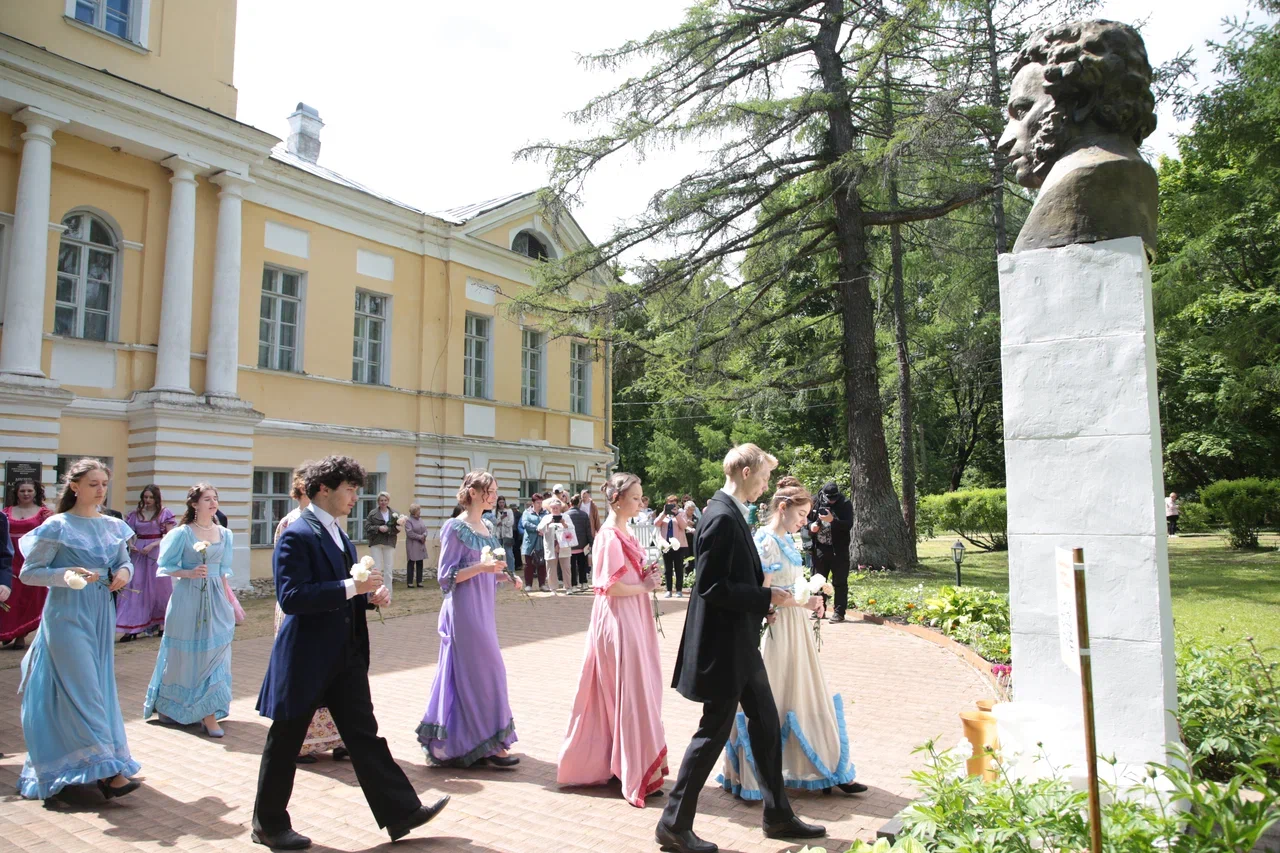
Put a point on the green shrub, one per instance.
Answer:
(1245, 505)
(980, 516)
(1228, 706)
(1196, 518)
(968, 614)
(958, 812)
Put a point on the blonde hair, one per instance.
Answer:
(413, 508)
(386, 495)
(481, 480)
(553, 501)
(747, 456)
(617, 486)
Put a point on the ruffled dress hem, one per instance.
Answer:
(433, 733)
(843, 774)
(31, 786)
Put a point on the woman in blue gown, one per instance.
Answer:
(70, 711)
(192, 679)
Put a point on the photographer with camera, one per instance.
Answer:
(830, 523)
(672, 524)
(558, 541)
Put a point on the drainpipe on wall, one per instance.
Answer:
(608, 410)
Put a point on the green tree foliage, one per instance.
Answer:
(1245, 505)
(1217, 280)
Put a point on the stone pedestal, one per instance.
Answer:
(1083, 459)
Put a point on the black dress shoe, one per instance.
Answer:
(401, 828)
(853, 788)
(340, 753)
(681, 842)
(794, 827)
(286, 840)
(503, 761)
(305, 759)
(110, 792)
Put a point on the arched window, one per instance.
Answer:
(531, 245)
(87, 257)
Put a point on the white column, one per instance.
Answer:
(224, 319)
(173, 356)
(29, 247)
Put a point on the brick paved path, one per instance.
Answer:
(198, 793)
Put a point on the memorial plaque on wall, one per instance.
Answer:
(20, 469)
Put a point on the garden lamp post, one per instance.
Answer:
(957, 554)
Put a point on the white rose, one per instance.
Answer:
(74, 579)
(360, 572)
(486, 555)
(367, 562)
(500, 553)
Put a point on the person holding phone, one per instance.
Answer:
(830, 524)
(558, 541)
(673, 524)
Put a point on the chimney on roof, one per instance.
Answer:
(304, 132)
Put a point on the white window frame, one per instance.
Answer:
(262, 531)
(580, 397)
(273, 358)
(362, 343)
(139, 21)
(81, 275)
(468, 375)
(533, 365)
(367, 502)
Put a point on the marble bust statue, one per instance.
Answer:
(1079, 106)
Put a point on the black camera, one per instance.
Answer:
(669, 509)
(557, 518)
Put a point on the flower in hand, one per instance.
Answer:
(361, 570)
(75, 580)
(200, 547)
(487, 556)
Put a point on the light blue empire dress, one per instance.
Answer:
(192, 678)
(70, 711)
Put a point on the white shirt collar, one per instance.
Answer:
(742, 508)
(326, 520)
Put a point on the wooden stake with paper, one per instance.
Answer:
(1073, 631)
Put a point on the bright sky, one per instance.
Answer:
(427, 101)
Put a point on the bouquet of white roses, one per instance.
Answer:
(490, 556)
(360, 573)
(806, 588)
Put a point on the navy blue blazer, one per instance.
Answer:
(6, 553)
(320, 622)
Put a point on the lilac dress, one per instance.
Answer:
(468, 715)
(145, 610)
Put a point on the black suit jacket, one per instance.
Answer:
(6, 553)
(321, 627)
(720, 647)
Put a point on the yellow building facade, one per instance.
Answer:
(193, 299)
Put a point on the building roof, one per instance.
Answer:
(468, 212)
(283, 155)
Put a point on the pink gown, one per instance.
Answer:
(616, 725)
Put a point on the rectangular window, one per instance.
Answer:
(475, 357)
(271, 502)
(529, 488)
(66, 461)
(111, 16)
(580, 357)
(365, 504)
(369, 350)
(531, 368)
(279, 320)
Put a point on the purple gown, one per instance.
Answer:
(468, 715)
(136, 613)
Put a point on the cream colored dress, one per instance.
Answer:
(815, 743)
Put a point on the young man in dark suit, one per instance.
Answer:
(719, 661)
(321, 657)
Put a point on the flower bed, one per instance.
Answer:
(970, 615)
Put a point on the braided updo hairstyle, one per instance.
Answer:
(478, 480)
(616, 486)
(790, 492)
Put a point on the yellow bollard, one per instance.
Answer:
(980, 731)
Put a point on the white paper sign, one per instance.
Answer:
(1068, 630)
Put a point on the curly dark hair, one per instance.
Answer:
(1102, 60)
(194, 494)
(332, 471)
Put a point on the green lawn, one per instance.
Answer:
(1214, 587)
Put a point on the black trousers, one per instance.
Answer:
(414, 565)
(707, 747)
(836, 571)
(673, 568)
(1171, 522)
(579, 569)
(390, 795)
